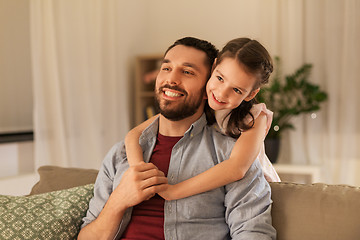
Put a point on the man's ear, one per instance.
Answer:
(252, 94)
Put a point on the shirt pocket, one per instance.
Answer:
(204, 206)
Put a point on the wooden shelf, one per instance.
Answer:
(144, 92)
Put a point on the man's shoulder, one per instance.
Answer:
(115, 156)
(220, 142)
(215, 132)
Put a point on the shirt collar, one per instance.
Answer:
(194, 129)
(197, 126)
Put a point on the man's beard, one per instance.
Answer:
(182, 110)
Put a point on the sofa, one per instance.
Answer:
(60, 199)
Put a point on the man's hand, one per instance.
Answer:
(139, 183)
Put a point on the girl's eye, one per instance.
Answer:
(237, 91)
(220, 78)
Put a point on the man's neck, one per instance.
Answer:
(177, 128)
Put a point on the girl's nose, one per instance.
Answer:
(222, 92)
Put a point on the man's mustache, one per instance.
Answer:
(176, 88)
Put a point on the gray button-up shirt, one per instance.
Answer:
(240, 210)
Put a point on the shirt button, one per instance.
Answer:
(172, 177)
(169, 208)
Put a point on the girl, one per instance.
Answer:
(241, 68)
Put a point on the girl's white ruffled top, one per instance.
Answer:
(222, 119)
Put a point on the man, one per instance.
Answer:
(179, 145)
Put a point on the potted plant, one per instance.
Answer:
(288, 97)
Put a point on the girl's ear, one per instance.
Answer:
(252, 94)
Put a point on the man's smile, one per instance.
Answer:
(172, 93)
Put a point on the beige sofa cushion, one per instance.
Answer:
(54, 178)
(315, 211)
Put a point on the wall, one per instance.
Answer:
(16, 158)
(204, 19)
(15, 68)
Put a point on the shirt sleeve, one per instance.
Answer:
(248, 207)
(103, 185)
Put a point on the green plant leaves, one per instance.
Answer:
(289, 96)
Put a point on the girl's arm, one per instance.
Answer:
(133, 150)
(244, 153)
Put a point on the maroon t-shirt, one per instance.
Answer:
(147, 221)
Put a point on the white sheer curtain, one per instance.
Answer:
(78, 110)
(324, 33)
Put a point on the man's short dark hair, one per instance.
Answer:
(202, 45)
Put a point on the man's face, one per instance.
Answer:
(180, 84)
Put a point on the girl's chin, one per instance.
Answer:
(215, 106)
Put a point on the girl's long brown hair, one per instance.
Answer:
(256, 60)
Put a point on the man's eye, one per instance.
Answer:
(188, 72)
(237, 91)
(166, 69)
(220, 78)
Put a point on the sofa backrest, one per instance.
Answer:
(315, 211)
(54, 178)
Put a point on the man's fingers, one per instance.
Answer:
(150, 173)
(150, 191)
(155, 180)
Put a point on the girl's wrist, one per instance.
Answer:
(169, 193)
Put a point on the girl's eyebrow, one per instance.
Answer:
(222, 75)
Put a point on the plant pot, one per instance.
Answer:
(272, 147)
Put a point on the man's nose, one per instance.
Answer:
(173, 78)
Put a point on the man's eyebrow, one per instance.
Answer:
(186, 64)
(192, 65)
(222, 75)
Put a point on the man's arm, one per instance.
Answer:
(248, 207)
(137, 184)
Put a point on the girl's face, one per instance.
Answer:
(229, 85)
